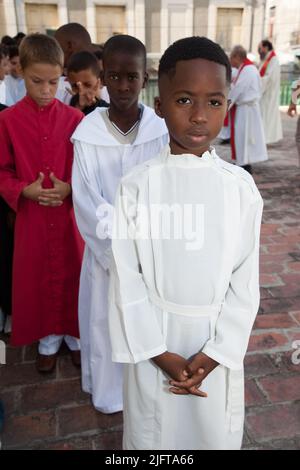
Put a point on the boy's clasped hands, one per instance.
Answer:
(186, 375)
(52, 197)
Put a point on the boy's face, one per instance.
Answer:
(88, 80)
(124, 76)
(41, 82)
(193, 103)
(15, 69)
(4, 66)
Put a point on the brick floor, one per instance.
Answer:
(52, 412)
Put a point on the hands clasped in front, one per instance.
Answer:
(186, 375)
(52, 197)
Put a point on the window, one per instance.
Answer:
(110, 20)
(229, 24)
(177, 22)
(41, 17)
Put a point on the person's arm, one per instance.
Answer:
(172, 364)
(292, 111)
(135, 332)
(241, 302)
(11, 186)
(93, 213)
(197, 369)
(54, 196)
(239, 91)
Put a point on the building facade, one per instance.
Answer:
(158, 23)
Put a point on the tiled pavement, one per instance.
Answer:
(52, 412)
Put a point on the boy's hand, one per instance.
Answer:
(33, 191)
(292, 110)
(196, 371)
(172, 364)
(54, 197)
(87, 97)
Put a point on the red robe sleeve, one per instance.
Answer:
(10, 185)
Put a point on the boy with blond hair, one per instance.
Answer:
(35, 180)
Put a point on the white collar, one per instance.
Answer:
(92, 129)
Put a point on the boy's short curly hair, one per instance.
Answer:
(194, 47)
(84, 60)
(124, 43)
(40, 48)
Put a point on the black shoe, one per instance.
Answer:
(247, 168)
(225, 142)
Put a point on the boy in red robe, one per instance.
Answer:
(35, 172)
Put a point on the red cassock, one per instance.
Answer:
(48, 248)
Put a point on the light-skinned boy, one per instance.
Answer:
(35, 176)
(83, 74)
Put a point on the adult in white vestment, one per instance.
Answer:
(247, 137)
(269, 70)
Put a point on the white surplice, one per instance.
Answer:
(269, 103)
(15, 89)
(99, 163)
(62, 93)
(2, 92)
(245, 93)
(184, 294)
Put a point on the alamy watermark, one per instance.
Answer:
(155, 221)
(296, 354)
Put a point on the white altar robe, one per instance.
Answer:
(15, 89)
(245, 93)
(184, 296)
(99, 163)
(270, 100)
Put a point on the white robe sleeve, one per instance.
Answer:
(94, 229)
(134, 328)
(247, 88)
(235, 321)
(238, 90)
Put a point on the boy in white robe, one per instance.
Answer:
(184, 285)
(247, 134)
(108, 143)
(15, 86)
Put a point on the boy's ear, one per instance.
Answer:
(228, 104)
(70, 46)
(99, 83)
(102, 78)
(146, 79)
(157, 106)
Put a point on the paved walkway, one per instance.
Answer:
(52, 412)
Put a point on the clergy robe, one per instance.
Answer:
(192, 290)
(48, 247)
(269, 103)
(249, 138)
(100, 161)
